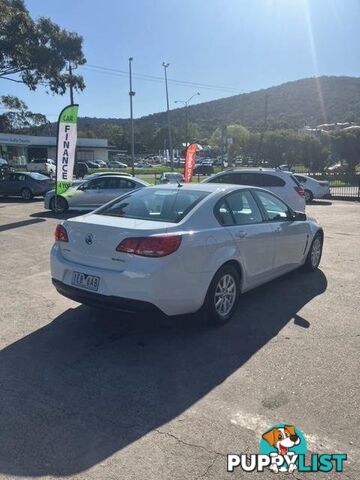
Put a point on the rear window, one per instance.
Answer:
(295, 180)
(300, 178)
(164, 205)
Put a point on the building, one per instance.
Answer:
(20, 149)
(327, 128)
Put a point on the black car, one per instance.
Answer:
(25, 184)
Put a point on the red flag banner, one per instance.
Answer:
(190, 156)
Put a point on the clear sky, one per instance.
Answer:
(235, 45)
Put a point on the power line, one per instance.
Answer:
(153, 78)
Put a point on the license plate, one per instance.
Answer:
(83, 280)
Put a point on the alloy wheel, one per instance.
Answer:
(225, 295)
(316, 252)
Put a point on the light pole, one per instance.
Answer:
(70, 67)
(186, 105)
(165, 65)
(131, 94)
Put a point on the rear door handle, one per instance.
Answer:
(240, 234)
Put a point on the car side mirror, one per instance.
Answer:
(297, 216)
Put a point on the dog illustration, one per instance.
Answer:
(282, 439)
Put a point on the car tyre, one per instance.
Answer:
(26, 194)
(314, 255)
(223, 295)
(60, 206)
(309, 197)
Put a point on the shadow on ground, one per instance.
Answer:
(7, 200)
(22, 223)
(87, 385)
(322, 203)
(60, 216)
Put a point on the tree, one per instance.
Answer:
(346, 144)
(18, 116)
(35, 52)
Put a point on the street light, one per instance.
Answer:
(165, 65)
(131, 94)
(186, 105)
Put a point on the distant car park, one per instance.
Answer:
(25, 184)
(92, 164)
(91, 193)
(143, 164)
(171, 177)
(116, 164)
(101, 163)
(42, 165)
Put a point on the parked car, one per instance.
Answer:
(92, 164)
(313, 188)
(42, 165)
(209, 242)
(101, 163)
(143, 164)
(203, 169)
(116, 164)
(25, 184)
(283, 184)
(92, 193)
(171, 177)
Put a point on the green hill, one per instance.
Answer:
(292, 105)
(310, 101)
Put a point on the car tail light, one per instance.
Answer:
(150, 246)
(61, 234)
(300, 191)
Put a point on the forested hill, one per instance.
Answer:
(310, 101)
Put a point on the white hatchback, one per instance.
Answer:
(180, 248)
(284, 184)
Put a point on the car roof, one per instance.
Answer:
(255, 170)
(98, 174)
(204, 187)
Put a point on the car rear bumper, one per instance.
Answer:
(104, 301)
(170, 290)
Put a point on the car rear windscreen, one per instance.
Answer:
(164, 205)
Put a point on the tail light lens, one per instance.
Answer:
(160, 246)
(61, 234)
(300, 191)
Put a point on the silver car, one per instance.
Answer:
(90, 194)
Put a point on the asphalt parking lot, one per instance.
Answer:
(108, 396)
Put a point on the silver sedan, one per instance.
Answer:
(92, 193)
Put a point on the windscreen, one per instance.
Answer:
(155, 204)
